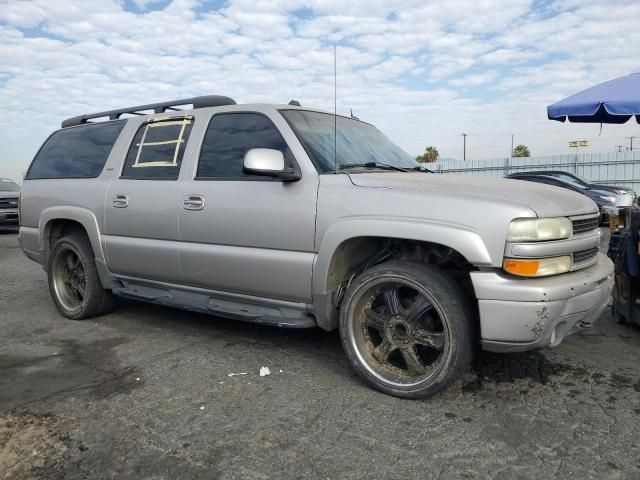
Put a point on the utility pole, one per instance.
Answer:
(464, 146)
(510, 159)
(619, 147)
(631, 141)
(577, 144)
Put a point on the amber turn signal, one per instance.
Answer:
(537, 267)
(524, 268)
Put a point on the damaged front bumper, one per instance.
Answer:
(524, 314)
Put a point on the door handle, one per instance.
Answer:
(193, 202)
(120, 201)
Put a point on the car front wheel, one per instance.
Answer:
(406, 328)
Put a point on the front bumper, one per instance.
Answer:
(525, 314)
(9, 217)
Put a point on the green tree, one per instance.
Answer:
(430, 155)
(521, 151)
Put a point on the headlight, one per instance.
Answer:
(539, 229)
(608, 199)
(541, 267)
(621, 192)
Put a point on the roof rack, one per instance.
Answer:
(196, 102)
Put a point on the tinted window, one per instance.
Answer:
(228, 138)
(336, 142)
(76, 152)
(555, 182)
(547, 181)
(536, 179)
(571, 180)
(157, 150)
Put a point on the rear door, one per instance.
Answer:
(142, 204)
(244, 233)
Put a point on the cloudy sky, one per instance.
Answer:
(423, 71)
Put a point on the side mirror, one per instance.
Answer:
(270, 163)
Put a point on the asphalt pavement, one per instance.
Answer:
(146, 393)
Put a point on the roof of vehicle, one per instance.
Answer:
(527, 177)
(159, 107)
(540, 173)
(206, 101)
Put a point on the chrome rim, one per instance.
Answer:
(69, 278)
(398, 331)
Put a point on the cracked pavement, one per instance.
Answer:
(144, 393)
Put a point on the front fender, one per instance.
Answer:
(461, 238)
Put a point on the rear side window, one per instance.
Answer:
(229, 136)
(157, 150)
(76, 152)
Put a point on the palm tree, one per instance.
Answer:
(430, 155)
(521, 151)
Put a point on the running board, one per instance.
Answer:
(276, 313)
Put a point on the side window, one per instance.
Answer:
(229, 136)
(157, 150)
(539, 180)
(76, 152)
(551, 181)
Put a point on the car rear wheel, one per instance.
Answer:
(406, 328)
(73, 279)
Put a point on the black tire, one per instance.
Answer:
(78, 292)
(443, 328)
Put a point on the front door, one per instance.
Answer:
(142, 205)
(244, 233)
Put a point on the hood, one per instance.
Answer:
(612, 189)
(596, 196)
(600, 192)
(545, 200)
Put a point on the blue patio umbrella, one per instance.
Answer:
(615, 101)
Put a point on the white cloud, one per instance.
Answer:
(423, 70)
(144, 4)
(475, 79)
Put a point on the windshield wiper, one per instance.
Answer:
(382, 166)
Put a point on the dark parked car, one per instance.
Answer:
(602, 198)
(9, 199)
(624, 196)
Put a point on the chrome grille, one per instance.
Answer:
(584, 255)
(8, 203)
(585, 224)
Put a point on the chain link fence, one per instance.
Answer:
(611, 168)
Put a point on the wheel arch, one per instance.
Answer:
(348, 247)
(57, 221)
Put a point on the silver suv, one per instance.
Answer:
(287, 216)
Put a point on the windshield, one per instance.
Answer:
(357, 144)
(8, 186)
(574, 180)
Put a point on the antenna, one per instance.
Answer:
(335, 110)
